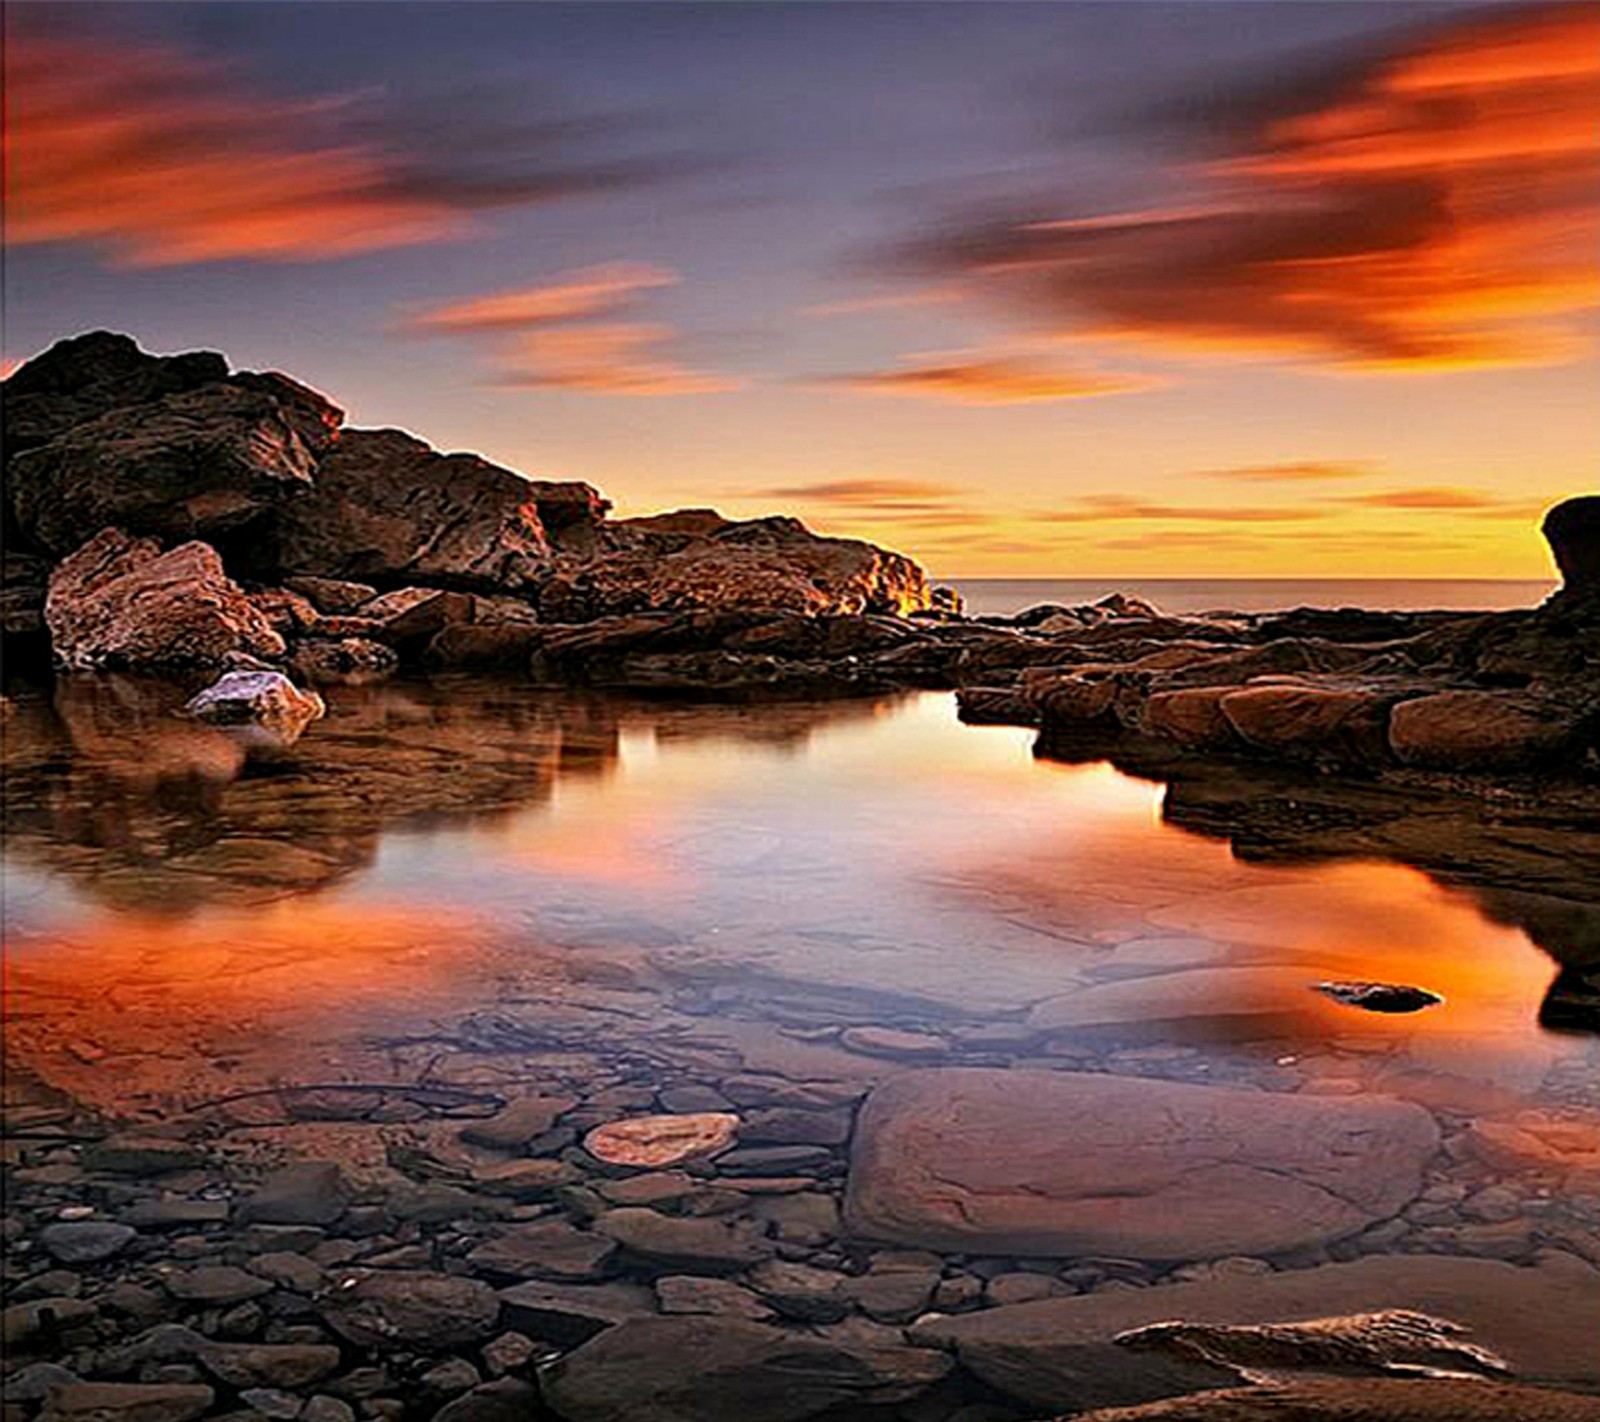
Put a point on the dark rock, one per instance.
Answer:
(699, 1245)
(120, 601)
(504, 1400)
(568, 1314)
(1380, 997)
(127, 1402)
(518, 1122)
(175, 1214)
(786, 1126)
(717, 1298)
(332, 596)
(553, 1250)
(272, 1402)
(306, 1193)
(387, 508)
(39, 1322)
(1572, 529)
(800, 1291)
(141, 1155)
(1486, 730)
(411, 1309)
(712, 1370)
(275, 1365)
(85, 1241)
(211, 1284)
(773, 1160)
(468, 646)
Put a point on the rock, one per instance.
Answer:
(272, 1403)
(1247, 1002)
(119, 601)
(504, 1400)
(214, 1284)
(411, 615)
(662, 1187)
(267, 701)
(343, 661)
(1380, 997)
(808, 1218)
(787, 1126)
(773, 1160)
(243, 1365)
(1023, 1288)
(1060, 1353)
(1068, 1164)
(1299, 719)
(552, 1250)
(309, 1192)
(714, 1370)
(85, 1241)
(196, 464)
(27, 1326)
(1366, 1400)
(323, 1408)
(332, 595)
(568, 1314)
(175, 1214)
(894, 1043)
(518, 1122)
(141, 1155)
(464, 646)
(387, 507)
(697, 559)
(710, 1246)
(525, 1179)
(892, 1295)
(800, 1291)
(717, 1298)
(1191, 717)
(1572, 529)
(127, 1402)
(289, 1270)
(403, 1308)
(1485, 730)
(35, 1382)
(652, 1142)
(287, 613)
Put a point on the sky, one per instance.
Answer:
(1054, 288)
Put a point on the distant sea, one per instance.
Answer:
(999, 596)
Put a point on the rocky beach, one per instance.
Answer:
(1096, 1144)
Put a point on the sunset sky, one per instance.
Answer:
(1069, 289)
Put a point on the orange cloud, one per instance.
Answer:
(162, 157)
(609, 359)
(1306, 473)
(894, 492)
(973, 378)
(1432, 208)
(593, 291)
(1104, 508)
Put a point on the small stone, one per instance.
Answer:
(662, 1187)
(269, 1365)
(309, 1192)
(698, 1245)
(269, 1402)
(508, 1352)
(1024, 1288)
(323, 1408)
(215, 1284)
(518, 1122)
(894, 1295)
(85, 1241)
(409, 1309)
(292, 1271)
(774, 1160)
(544, 1251)
(504, 1400)
(656, 1141)
(893, 1043)
(718, 1298)
(800, 1291)
(785, 1125)
(692, 1100)
(530, 1179)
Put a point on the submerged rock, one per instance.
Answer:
(698, 1369)
(652, 1142)
(1067, 1164)
(1366, 1400)
(400, 1308)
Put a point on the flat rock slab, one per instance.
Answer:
(1068, 1164)
(1059, 1353)
(1209, 1002)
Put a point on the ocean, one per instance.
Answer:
(1000, 596)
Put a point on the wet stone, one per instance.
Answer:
(272, 1365)
(215, 1284)
(894, 1295)
(141, 1155)
(652, 1142)
(127, 1402)
(544, 1251)
(567, 1314)
(720, 1298)
(659, 1188)
(175, 1214)
(691, 1100)
(895, 1044)
(519, 1122)
(696, 1245)
(307, 1193)
(801, 1292)
(291, 1271)
(788, 1126)
(504, 1400)
(85, 1241)
(508, 1352)
(411, 1309)
(774, 1160)
(270, 1402)
(530, 1179)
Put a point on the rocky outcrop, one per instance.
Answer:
(386, 508)
(119, 601)
(696, 559)
(1573, 532)
(102, 434)
(1058, 1164)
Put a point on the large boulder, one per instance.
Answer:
(1067, 1164)
(120, 602)
(1485, 730)
(100, 433)
(1572, 529)
(694, 1369)
(696, 559)
(1060, 1353)
(388, 509)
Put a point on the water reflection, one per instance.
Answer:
(191, 915)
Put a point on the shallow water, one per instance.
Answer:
(182, 922)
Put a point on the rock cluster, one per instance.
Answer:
(345, 551)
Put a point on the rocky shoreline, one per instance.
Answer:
(679, 1193)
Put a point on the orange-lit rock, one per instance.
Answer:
(652, 1142)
